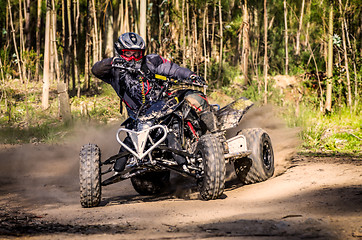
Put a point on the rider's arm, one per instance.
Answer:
(159, 65)
(103, 69)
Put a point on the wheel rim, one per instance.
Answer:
(200, 162)
(267, 155)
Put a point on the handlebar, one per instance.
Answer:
(129, 69)
(155, 77)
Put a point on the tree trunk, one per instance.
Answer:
(109, 31)
(204, 39)
(75, 44)
(86, 49)
(246, 42)
(21, 30)
(188, 30)
(22, 44)
(286, 37)
(143, 19)
(66, 37)
(3, 92)
(219, 78)
(38, 39)
(95, 42)
(134, 19)
(120, 18)
(207, 24)
(183, 34)
(45, 96)
(192, 41)
(52, 72)
(354, 50)
(213, 30)
(266, 54)
(195, 44)
(175, 28)
(62, 86)
(27, 25)
(328, 106)
(349, 97)
(360, 34)
(100, 47)
(126, 18)
(300, 28)
(70, 43)
(70, 31)
(319, 80)
(308, 13)
(14, 40)
(238, 58)
(53, 41)
(324, 43)
(255, 51)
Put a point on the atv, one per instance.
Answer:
(151, 157)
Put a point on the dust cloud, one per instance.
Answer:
(49, 173)
(39, 173)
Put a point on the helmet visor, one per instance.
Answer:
(129, 54)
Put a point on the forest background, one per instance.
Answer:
(301, 56)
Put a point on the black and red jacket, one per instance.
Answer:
(131, 88)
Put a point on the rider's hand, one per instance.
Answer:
(197, 79)
(118, 60)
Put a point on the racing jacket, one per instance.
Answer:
(132, 89)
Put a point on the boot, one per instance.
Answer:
(120, 164)
(173, 143)
(208, 118)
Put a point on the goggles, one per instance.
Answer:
(129, 54)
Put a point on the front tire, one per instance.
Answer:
(90, 176)
(259, 165)
(212, 183)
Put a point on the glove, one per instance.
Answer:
(118, 60)
(197, 79)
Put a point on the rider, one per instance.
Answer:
(134, 90)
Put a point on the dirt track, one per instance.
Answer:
(309, 198)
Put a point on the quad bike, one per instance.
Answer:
(151, 157)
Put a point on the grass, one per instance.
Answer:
(22, 119)
(49, 132)
(337, 132)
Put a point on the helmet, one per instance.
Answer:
(130, 46)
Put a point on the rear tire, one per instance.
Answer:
(259, 165)
(151, 183)
(90, 176)
(212, 183)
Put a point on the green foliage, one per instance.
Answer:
(52, 131)
(251, 92)
(23, 121)
(30, 58)
(5, 60)
(338, 132)
(103, 108)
